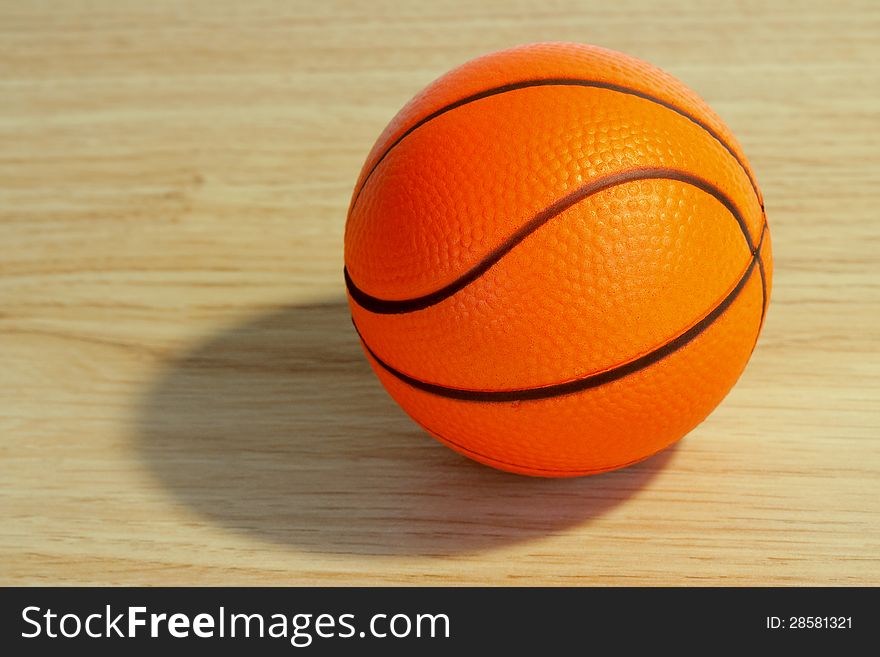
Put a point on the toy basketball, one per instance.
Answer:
(557, 259)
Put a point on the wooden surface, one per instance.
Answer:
(182, 399)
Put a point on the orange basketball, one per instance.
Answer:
(557, 259)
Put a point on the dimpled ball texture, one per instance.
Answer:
(557, 259)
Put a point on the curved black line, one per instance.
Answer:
(587, 382)
(556, 82)
(397, 306)
(764, 229)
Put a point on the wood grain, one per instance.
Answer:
(182, 399)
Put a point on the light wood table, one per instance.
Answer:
(182, 397)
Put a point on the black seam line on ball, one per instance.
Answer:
(576, 385)
(765, 228)
(556, 82)
(397, 306)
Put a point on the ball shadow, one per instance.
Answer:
(279, 429)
